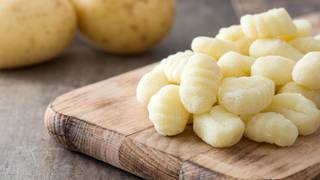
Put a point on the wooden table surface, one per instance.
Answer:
(26, 150)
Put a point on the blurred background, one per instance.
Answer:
(27, 151)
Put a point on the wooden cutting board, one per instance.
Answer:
(105, 121)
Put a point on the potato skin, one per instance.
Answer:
(125, 26)
(34, 31)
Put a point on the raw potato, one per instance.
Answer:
(304, 28)
(166, 111)
(270, 66)
(174, 64)
(273, 23)
(246, 95)
(298, 109)
(233, 64)
(307, 71)
(272, 128)
(125, 26)
(275, 47)
(200, 81)
(306, 44)
(293, 87)
(34, 31)
(150, 84)
(218, 128)
(213, 47)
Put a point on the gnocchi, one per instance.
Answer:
(174, 64)
(298, 109)
(270, 66)
(219, 128)
(306, 72)
(233, 64)
(273, 23)
(272, 128)
(167, 112)
(232, 33)
(151, 83)
(243, 45)
(246, 95)
(306, 44)
(275, 47)
(292, 87)
(304, 28)
(199, 84)
(213, 47)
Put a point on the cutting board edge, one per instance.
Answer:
(62, 128)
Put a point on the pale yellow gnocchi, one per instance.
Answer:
(232, 33)
(174, 64)
(273, 23)
(275, 47)
(199, 85)
(166, 111)
(306, 72)
(219, 128)
(243, 45)
(306, 44)
(150, 83)
(272, 128)
(276, 68)
(233, 64)
(304, 28)
(293, 87)
(298, 109)
(213, 47)
(246, 95)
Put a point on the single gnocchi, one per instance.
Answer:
(233, 64)
(270, 66)
(306, 44)
(273, 23)
(304, 28)
(274, 47)
(272, 128)
(293, 87)
(167, 112)
(246, 95)
(232, 33)
(213, 47)
(306, 72)
(298, 109)
(219, 128)
(150, 84)
(174, 64)
(199, 85)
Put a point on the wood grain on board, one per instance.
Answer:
(105, 121)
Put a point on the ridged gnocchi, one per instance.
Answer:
(151, 83)
(273, 23)
(233, 64)
(167, 112)
(275, 47)
(306, 44)
(219, 128)
(304, 28)
(307, 71)
(293, 87)
(246, 95)
(199, 85)
(298, 109)
(243, 45)
(174, 64)
(213, 47)
(272, 128)
(232, 33)
(270, 66)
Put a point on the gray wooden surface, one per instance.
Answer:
(26, 150)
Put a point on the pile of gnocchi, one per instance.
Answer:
(259, 79)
